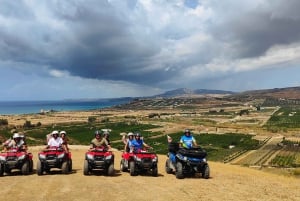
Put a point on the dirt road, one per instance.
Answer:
(227, 182)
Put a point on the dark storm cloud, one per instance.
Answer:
(95, 41)
(150, 43)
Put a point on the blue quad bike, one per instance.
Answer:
(186, 162)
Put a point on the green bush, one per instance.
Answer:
(3, 122)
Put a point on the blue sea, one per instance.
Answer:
(30, 107)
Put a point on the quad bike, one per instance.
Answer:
(54, 157)
(139, 161)
(16, 159)
(99, 159)
(187, 162)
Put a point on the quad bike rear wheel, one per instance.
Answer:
(122, 166)
(168, 169)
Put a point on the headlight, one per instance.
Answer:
(2, 158)
(137, 159)
(204, 159)
(21, 157)
(185, 158)
(108, 157)
(42, 156)
(154, 159)
(90, 157)
(61, 155)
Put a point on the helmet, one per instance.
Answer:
(187, 131)
(63, 132)
(54, 133)
(137, 134)
(16, 135)
(105, 133)
(130, 134)
(97, 133)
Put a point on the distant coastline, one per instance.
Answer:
(33, 107)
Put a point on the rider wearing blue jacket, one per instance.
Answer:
(139, 142)
(187, 140)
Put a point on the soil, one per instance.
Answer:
(227, 182)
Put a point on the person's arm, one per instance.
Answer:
(124, 139)
(126, 147)
(106, 143)
(92, 144)
(181, 142)
(146, 145)
(195, 142)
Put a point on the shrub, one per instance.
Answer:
(28, 124)
(91, 119)
(3, 122)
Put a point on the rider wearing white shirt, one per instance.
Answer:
(55, 141)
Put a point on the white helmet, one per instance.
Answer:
(54, 133)
(16, 135)
(130, 134)
(63, 132)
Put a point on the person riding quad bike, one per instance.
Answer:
(15, 156)
(99, 156)
(54, 156)
(186, 157)
(136, 158)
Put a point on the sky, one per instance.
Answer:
(54, 50)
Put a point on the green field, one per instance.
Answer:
(216, 145)
(286, 118)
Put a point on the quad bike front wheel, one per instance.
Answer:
(70, 165)
(132, 168)
(205, 172)
(154, 171)
(110, 170)
(65, 167)
(39, 168)
(25, 168)
(30, 166)
(179, 171)
(1, 170)
(86, 170)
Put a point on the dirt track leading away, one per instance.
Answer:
(227, 182)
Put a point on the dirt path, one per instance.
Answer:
(227, 182)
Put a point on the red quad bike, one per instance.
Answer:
(99, 159)
(139, 161)
(15, 159)
(54, 157)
